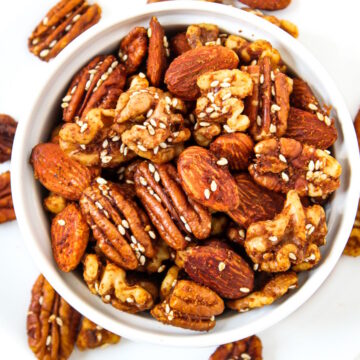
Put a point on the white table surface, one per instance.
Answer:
(326, 327)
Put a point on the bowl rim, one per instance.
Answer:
(20, 157)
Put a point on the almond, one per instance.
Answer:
(267, 4)
(183, 72)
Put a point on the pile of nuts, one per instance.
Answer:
(188, 176)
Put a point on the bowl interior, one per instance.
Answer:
(34, 221)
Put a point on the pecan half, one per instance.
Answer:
(52, 324)
(175, 217)
(97, 85)
(268, 106)
(247, 349)
(284, 164)
(55, 203)
(96, 140)
(206, 180)
(133, 49)
(57, 172)
(293, 237)
(221, 100)
(92, 336)
(122, 230)
(110, 283)
(189, 306)
(69, 237)
(236, 148)
(156, 130)
(219, 268)
(316, 130)
(353, 245)
(179, 44)
(62, 24)
(202, 34)
(158, 47)
(7, 212)
(256, 203)
(182, 74)
(267, 4)
(7, 132)
(275, 288)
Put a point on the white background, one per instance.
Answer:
(326, 327)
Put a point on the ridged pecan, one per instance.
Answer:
(219, 268)
(221, 102)
(275, 288)
(96, 140)
(268, 106)
(52, 324)
(156, 130)
(110, 283)
(97, 85)
(63, 23)
(122, 230)
(133, 49)
(189, 306)
(92, 336)
(353, 245)
(59, 173)
(182, 74)
(55, 203)
(202, 34)
(7, 132)
(69, 237)
(7, 212)
(284, 164)
(158, 50)
(236, 148)
(247, 349)
(205, 179)
(257, 203)
(176, 218)
(293, 237)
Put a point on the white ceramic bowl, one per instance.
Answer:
(34, 222)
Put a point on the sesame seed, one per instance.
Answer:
(163, 145)
(214, 83)
(45, 20)
(210, 96)
(323, 176)
(261, 78)
(213, 186)
(285, 176)
(311, 165)
(272, 128)
(282, 158)
(87, 85)
(292, 287)
(48, 340)
(225, 84)
(98, 337)
(106, 159)
(35, 41)
(209, 110)
(125, 224)
(161, 268)
(68, 27)
(183, 219)
(162, 125)
(104, 77)
(273, 238)
(245, 356)
(221, 266)
(204, 123)
(149, 113)
(76, 18)
(142, 75)
(115, 138)
(149, 31)
(222, 161)
(226, 96)
(142, 260)
(98, 205)
(256, 267)
(61, 222)
(201, 115)
(141, 147)
(317, 164)
(320, 116)
(143, 181)
(188, 238)
(292, 256)
(151, 168)
(174, 102)
(228, 129)
(258, 120)
(244, 310)
(105, 143)
(157, 197)
(275, 107)
(272, 76)
(212, 318)
(245, 290)
(152, 235)
(242, 233)
(273, 91)
(121, 229)
(312, 107)
(125, 57)
(133, 239)
(187, 227)
(153, 122)
(207, 194)
(101, 181)
(156, 150)
(214, 115)
(83, 127)
(59, 321)
(41, 299)
(327, 121)
(156, 176)
(44, 53)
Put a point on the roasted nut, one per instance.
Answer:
(293, 237)
(97, 85)
(96, 140)
(52, 324)
(169, 282)
(221, 100)
(7, 212)
(219, 223)
(158, 48)
(55, 203)
(133, 49)
(110, 283)
(69, 237)
(302, 97)
(353, 245)
(92, 336)
(206, 180)
(247, 349)
(179, 44)
(182, 74)
(236, 234)
(189, 306)
(256, 203)
(316, 130)
(202, 34)
(156, 129)
(236, 43)
(284, 164)
(58, 173)
(7, 132)
(285, 25)
(219, 268)
(122, 230)
(236, 148)
(176, 218)
(273, 290)
(162, 254)
(268, 106)
(62, 24)
(267, 4)
(259, 49)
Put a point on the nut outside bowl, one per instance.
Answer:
(27, 193)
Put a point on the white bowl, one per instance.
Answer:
(34, 222)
